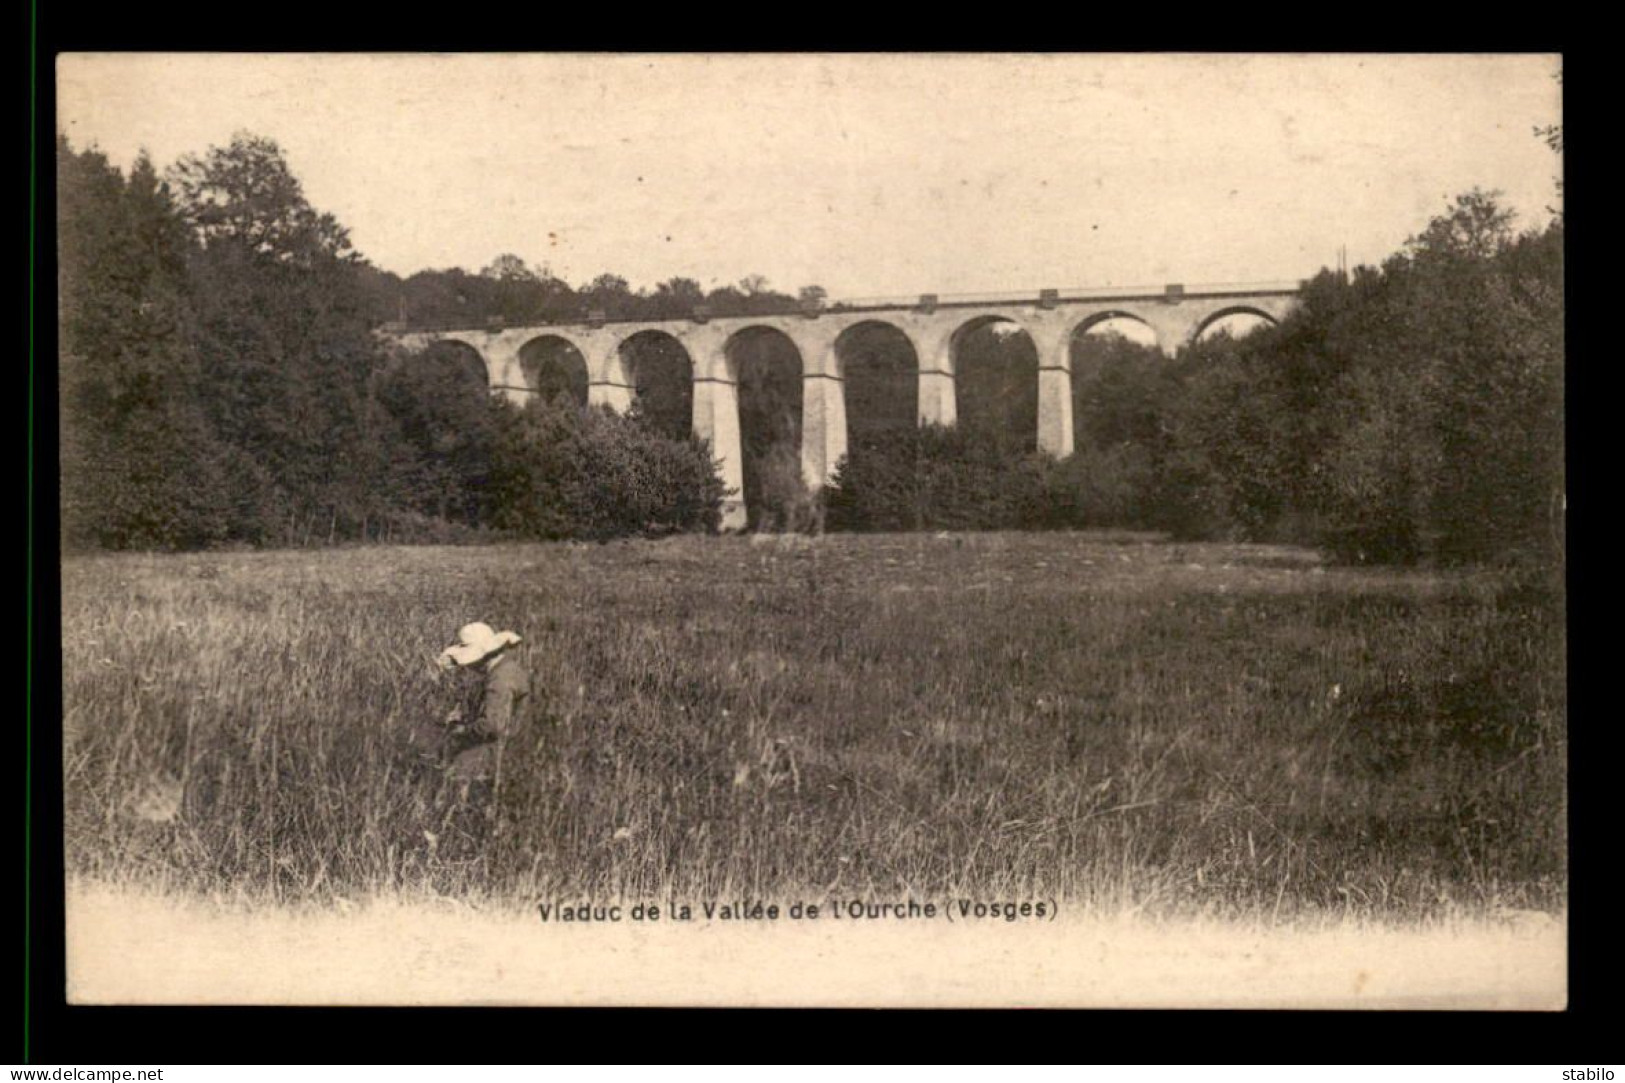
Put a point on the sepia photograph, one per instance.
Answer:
(812, 530)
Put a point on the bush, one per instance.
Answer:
(1105, 487)
(875, 487)
(938, 478)
(559, 472)
(784, 503)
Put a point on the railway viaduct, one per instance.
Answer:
(934, 327)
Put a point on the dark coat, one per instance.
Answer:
(469, 750)
(504, 707)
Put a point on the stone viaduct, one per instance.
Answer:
(933, 326)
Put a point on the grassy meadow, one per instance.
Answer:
(1201, 730)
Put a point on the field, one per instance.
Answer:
(1204, 732)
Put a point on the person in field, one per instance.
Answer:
(468, 744)
(475, 740)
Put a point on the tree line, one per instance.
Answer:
(1408, 412)
(1413, 411)
(222, 383)
(509, 292)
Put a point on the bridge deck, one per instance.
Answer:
(1060, 298)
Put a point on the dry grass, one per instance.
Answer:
(1209, 731)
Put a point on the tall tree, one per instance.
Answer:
(508, 268)
(1413, 412)
(140, 467)
(675, 298)
(284, 336)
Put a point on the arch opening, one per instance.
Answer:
(995, 364)
(1124, 325)
(767, 368)
(1118, 369)
(662, 376)
(1237, 321)
(455, 363)
(554, 370)
(880, 371)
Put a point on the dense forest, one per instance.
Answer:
(223, 383)
(1408, 412)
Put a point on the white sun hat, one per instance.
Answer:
(475, 643)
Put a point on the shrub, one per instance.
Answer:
(875, 487)
(784, 502)
(559, 472)
(1104, 487)
(938, 478)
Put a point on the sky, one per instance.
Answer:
(872, 175)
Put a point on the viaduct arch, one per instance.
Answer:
(1233, 310)
(1176, 316)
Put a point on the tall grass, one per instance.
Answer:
(1217, 730)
